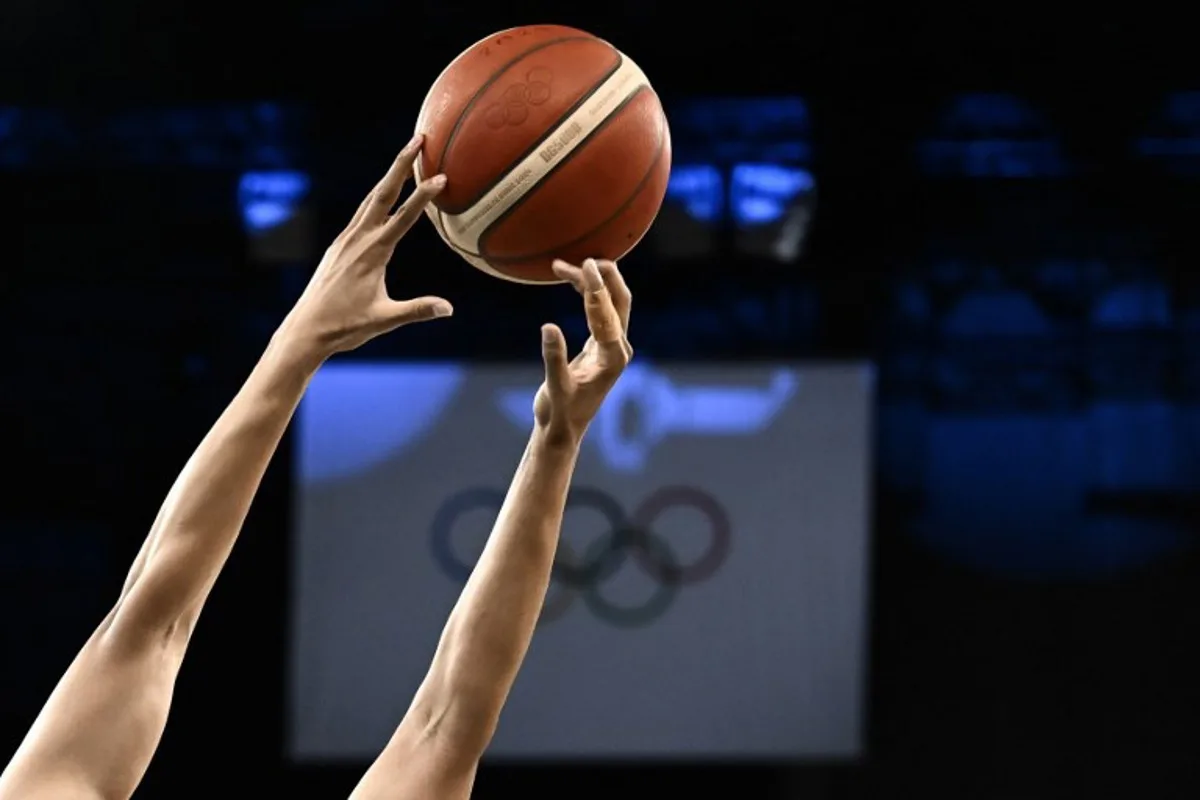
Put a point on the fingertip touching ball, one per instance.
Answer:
(554, 145)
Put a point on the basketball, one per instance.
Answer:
(553, 144)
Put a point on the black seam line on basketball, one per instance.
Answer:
(501, 260)
(517, 203)
(559, 248)
(468, 254)
(558, 123)
(578, 104)
(474, 101)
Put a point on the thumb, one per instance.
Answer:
(554, 354)
(420, 309)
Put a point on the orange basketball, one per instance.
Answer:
(553, 145)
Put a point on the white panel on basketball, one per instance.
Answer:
(463, 231)
(474, 261)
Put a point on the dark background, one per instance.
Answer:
(132, 305)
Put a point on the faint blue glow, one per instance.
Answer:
(726, 130)
(665, 409)
(984, 113)
(1158, 147)
(357, 415)
(699, 189)
(1000, 312)
(8, 121)
(261, 136)
(912, 303)
(1137, 306)
(761, 194)
(269, 199)
(1006, 494)
(992, 135)
(1174, 138)
(720, 116)
(1136, 444)
(1183, 108)
(992, 158)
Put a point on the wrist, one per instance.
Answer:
(555, 440)
(295, 350)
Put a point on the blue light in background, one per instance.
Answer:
(762, 193)
(727, 130)
(269, 199)
(699, 189)
(739, 159)
(356, 415)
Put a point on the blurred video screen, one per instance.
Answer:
(737, 631)
(741, 173)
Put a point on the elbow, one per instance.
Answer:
(133, 627)
(156, 612)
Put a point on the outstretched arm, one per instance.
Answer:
(100, 727)
(435, 750)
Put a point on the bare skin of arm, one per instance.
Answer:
(95, 736)
(435, 751)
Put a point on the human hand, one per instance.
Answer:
(573, 391)
(346, 303)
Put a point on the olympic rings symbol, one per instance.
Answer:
(630, 536)
(513, 106)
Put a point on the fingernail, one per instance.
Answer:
(437, 181)
(591, 275)
(442, 309)
(547, 334)
(413, 143)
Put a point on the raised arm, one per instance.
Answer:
(96, 734)
(436, 748)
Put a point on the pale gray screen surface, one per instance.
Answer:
(763, 658)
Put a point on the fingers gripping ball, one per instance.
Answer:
(555, 146)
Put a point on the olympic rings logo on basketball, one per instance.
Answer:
(629, 536)
(513, 106)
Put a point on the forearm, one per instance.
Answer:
(203, 513)
(490, 628)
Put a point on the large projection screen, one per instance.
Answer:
(727, 503)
